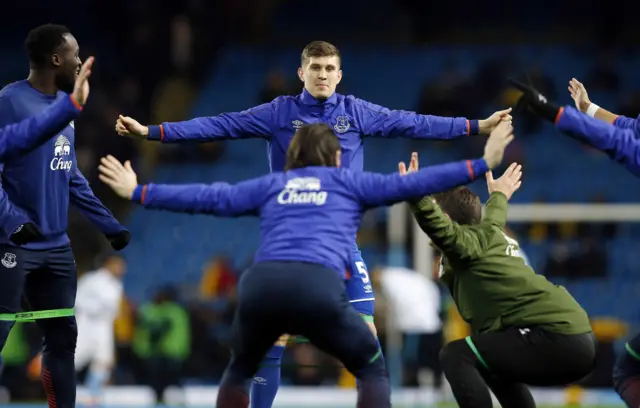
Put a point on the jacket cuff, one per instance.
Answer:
(139, 194)
(473, 127)
(155, 132)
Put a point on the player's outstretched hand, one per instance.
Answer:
(413, 165)
(121, 178)
(81, 87)
(579, 95)
(497, 143)
(508, 183)
(127, 126)
(487, 126)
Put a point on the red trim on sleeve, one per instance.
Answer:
(468, 127)
(560, 112)
(470, 169)
(143, 194)
(75, 103)
(161, 133)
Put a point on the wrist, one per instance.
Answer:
(482, 127)
(76, 103)
(591, 110)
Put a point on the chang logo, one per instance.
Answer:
(303, 190)
(61, 153)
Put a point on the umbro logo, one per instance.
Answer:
(297, 124)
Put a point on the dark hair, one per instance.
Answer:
(320, 49)
(312, 145)
(43, 41)
(461, 205)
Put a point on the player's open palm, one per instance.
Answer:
(579, 95)
(127, 126)
(508, 183)
(121, 178)
(81, 87)
(498, 141)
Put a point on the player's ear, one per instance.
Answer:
(339, 76)
(56, 60)
(300, 74)
(338, 157)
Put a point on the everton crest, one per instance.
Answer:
(342, 124)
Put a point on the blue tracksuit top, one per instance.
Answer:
(619, 140)
(352, 119)
(39, 181)
(309, 214)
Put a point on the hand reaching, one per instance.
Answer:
(413, 165)
(497, 143)
(122, 179)
(127, 126)
(489, 124)
(579, 95)
(508, 183)
(81, 86)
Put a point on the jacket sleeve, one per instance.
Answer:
(624, 122)
(256, 122)
(220, 199)
(378, 121)
(11, 217)
(81, 196)
(26, 135)
(374, 190)
(619, 143)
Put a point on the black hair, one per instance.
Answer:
(461, 205)
(43, 41)
(312, 145)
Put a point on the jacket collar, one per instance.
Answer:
(307, 99)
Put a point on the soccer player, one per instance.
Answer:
(97, 302)
(37, 186)
(526, 330)
(309, 215)
(617, 136)
(353, 119)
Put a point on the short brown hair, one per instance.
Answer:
(461, 205)
(312, 145)
(320, 49)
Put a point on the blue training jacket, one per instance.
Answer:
(309, 214)
(39, 180)
(620, 141)
(352, 119)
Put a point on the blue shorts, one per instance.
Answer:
(359, 287)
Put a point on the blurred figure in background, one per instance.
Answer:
(163, 340)
(97, 303)
(415, 304)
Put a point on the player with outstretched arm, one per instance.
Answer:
(353, 119)
(309, 215)
(525, 330)
(618, 137)
(38, 184)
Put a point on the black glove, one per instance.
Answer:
(536, 101)
(26, 233)
(120, 240)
